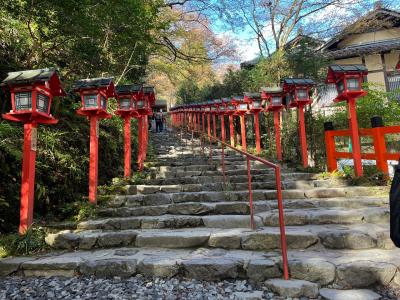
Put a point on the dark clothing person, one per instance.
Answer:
(159, 122)
(395, 208)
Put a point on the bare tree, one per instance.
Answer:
(274, 22)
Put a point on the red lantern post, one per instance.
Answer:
(144, 110)
(94, 96)
(255, 105)
(214, 117)
(126, 95)
(241, 110)
(298, 95)
(273, 96)
(220, 111)
(32, 94)
(230, 110)
(348, 80)
(208, 111)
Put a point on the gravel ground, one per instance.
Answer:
(137, 287)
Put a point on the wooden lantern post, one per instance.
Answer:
(348, 80)
(32, 94)
(144, 110)
(242, 108)
(298, 96)
(230, 110)
(127, 95)
(274, 98)
(255, 105)
(94, 96)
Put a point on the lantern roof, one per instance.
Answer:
(252, 95)
(298, 81)
(148, 89)
(217, 101)
(226, 100)
(335, 71)
(238, 98)
(272, 89)
(39, 76)
(96, 83)
(348, 68)
(128, 88)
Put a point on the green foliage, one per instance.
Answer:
(29, 243)
(80, 37)
(76, 211)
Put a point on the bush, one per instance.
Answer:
(29, 243)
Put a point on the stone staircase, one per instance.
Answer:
(183, 221)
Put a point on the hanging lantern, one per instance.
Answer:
(297, 91)
(348, 80)
(32, 94)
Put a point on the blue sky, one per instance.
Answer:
(243, 37)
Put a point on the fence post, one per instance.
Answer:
(379, 144)
(330, 147)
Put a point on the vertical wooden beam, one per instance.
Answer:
(94, 157)
(28, 177)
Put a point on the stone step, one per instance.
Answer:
(240, 207)
(362, 236)
(219, 186)
(189, 208)
(373, 215)
(346, 269)
(378, 215)
(173, 198)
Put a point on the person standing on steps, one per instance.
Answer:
(395, 208)
(159, 121)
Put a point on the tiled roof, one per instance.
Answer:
(375, 47)
(92, 83)
(348, 68)
(299, 81)
(129, 88)
(30, 76)
(275, 89)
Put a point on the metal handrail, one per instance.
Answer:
(249, 157)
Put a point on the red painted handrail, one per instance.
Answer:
(191, 130)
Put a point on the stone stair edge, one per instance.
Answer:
(368, 268)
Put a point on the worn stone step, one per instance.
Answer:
(327, 216)
(347, 269)
(188, 208)
(362, 236)
(170, 198)
(220, 186)
(239, 207)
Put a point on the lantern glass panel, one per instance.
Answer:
(213, 108)
(340, 86)
(23, 101)
(352, 84)
(90, 101)
(256, 103)
(124, 103)
(276, 100)
(42, 103)
(140, 104)
(103, 102)
(302, 94)
(222, 108)
(231, 107)
(243, 106)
